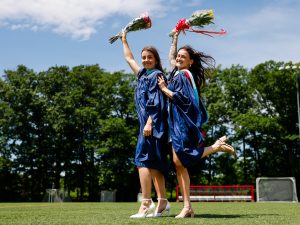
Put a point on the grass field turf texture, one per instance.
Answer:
(118, 213)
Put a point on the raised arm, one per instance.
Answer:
(173, 50)
(129, 56)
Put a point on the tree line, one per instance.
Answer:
(77, 128)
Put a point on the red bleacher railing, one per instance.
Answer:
(219, 193)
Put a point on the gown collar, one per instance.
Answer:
(150, 71)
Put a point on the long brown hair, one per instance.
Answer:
(154, 51)
(201, 64)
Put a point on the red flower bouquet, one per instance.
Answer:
(198, 19)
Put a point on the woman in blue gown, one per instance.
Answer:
(186, 114)
(151, 149)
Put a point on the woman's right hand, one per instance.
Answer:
(161, 82)
(163, 87)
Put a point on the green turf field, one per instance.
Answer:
(118, 213)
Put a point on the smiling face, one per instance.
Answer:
(148, 60)
(183, 60)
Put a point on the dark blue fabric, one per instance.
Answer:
(151, 151)
(185, 120)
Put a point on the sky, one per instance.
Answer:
(41, 33)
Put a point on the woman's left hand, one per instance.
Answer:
(147, 130)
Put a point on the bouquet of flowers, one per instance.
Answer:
(142, 22)
(198, 19)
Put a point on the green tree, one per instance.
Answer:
(54, 129)
(23, 130)
(276, 95)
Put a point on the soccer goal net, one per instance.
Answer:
(56, 195)
(227, 193)
(281, 189)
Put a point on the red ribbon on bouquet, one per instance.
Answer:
(207, 32)
(183, 26)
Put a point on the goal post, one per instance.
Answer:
(276, 189)
(56, 195)
(219, 193)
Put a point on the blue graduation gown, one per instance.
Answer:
(185, 120)
(151, 152)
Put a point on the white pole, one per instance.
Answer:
(298, 99)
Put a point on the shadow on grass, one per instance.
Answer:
(216, 216)
(207, 216)
(222, 216)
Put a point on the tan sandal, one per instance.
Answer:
(186, 212)
(221, 146)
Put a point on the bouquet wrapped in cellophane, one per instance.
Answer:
(139, 23)
(199, 19)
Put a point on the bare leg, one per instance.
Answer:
(147, 204)
(183, 180)
(159, 184)
(184, 184)
(146, 186)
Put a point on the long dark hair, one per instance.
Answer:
(154, 51)
(201, 66)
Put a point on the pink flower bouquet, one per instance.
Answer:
(139, 23)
